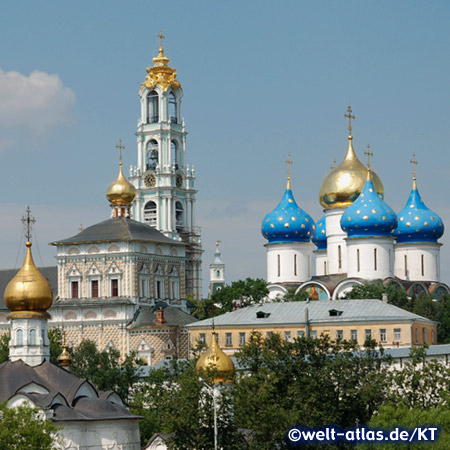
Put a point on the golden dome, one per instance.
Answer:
(64, 358)
(28, 294)
(121, 191)
(215, 359)
(342, 186)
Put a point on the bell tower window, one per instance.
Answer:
(152, 154)
(152, 107)
(150, 213)
(174, 154)
(173, 108)
(179, 211)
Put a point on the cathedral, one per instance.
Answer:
(359, 239)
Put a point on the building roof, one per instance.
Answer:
(319, 312)
(52, 387)
(146, 317)
(118, 229)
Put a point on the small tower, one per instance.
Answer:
(216, 273)
(288, 229)
(417, 252)
(28, 296)
(340, 188)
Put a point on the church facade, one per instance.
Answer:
(359, 239)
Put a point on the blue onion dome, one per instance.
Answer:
(320, 238)
(369, 215)
(417, 223)
(288, 222)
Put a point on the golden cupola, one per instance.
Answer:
(121, 192)
(215, 360)
(342, 186)
(28, 294)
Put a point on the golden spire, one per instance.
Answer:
(121, 191)
(414, 162)
(214, 359)
(64, 359)
(28, 294)
(368, 153)
(161, 74)
(289, 164)
(349, 117)
(218, 242)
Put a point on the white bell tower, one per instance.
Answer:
(165, 184)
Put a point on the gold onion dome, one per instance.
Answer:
(121, 191)
(64, 358)
(214, 359)
(28, 294)
(342, 186)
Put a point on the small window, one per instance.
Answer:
(202, 338)
(375, 262)
(397, 335)
(339, 335)
(74, 288)
(279, 265)
(417, 335)
(174, 154)
(287, 336)
(19, 336)
(295, 265)
(241, 338)
(94, 288)
(354, 335)
(339, 257)
(313, 334)
(262, 315)
(383, 335)
(335, 313)
(228, 339)
(423, 265)
(358, 267)
(32, 336)
(300, 334)
(406, 266)
(425, 337)
(368, 334)
(114, 288)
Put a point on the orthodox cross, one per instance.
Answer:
(414, 162)
(161, 37)
(120, 147)
(368, 153)
(349, 117)
(289, 164)
(28, 223)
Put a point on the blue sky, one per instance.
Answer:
(261, 79)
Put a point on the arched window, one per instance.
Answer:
(152, 154)
(19, 337)
(174, 153)
(32, 336)
(173, 108)
(152, 107)
(150, 213)
(179, 211)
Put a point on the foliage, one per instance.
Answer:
(4, 347)
(23, 428)
(292, 296)
(104, 368)
(56, 339)
(396, 294)
(248, 292)
(204, 308)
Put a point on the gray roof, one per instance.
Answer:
(403, 352)
(50, 273)
(118, 229)
(14, 376)
(146, 317)
(293, 313)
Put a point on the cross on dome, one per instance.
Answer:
(161, 37)
(28, 222)
(120, 147)
(289, 163)
(368, 153)
(414, 162)
(349, 116)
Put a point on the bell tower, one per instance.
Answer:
(164, 182)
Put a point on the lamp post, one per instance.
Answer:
(212, 390)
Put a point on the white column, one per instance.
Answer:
(336, 245)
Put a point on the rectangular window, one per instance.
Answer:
(228, 339)
(375, 259)
(358, 266)
(354, 335)
(158, 289)
(433, 340)
(340, 334)
(406, 266)
(114, 288)
(324, 267)
(417, 335)
(94, 288)
(202, 338)
(287, 336)
(339, 257)
(423, 265)
(74, 288)
(368, 334)
(397, 334)
(300, 334)
(313, 334)
(295, 265)
(241, 338)
(279, 265)
(425, 337)
(383, 335)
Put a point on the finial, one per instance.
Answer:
(213, 327)
(218, 242)
(120, 147)
(28, 221)
(161, 37)
(349, 117)
(368, 153)
(414, 162)
(289, 164)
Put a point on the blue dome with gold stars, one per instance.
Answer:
(320, 238)
(417, 223)
(288, 222)
(369, 215)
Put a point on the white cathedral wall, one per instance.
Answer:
(289, 262)
(336, 245)
(418, 261)
(101, 435)
(375, 259)
(321, 262)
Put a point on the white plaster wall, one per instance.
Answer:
(385, 258)
(414, 252)
(335, 238)
(321, 262)
(287, 253)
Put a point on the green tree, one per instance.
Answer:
(4, 347)
(23, 428)
(55, 337)
(293, 296)
(105, 368)
(204, 308)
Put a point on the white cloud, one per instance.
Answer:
(36, 103)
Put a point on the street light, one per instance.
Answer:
(213, 391)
